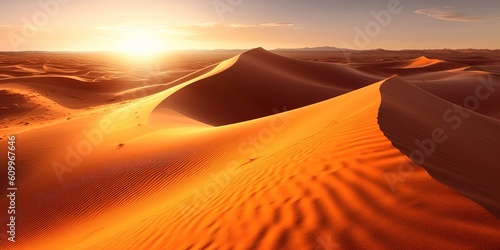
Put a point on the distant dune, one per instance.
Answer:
(253, 151)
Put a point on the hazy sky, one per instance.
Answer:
(213, 24)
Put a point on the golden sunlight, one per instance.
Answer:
(141, 43)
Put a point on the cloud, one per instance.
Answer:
(180, 27)
(201, 25)
(13, 26)
(191, 29)
(162, 29)
(449, 15)
(237, 25)
(233, 25)
(101, 37)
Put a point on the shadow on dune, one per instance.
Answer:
(457, 147)
(261, 83)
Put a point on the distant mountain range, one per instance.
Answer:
(323, 48)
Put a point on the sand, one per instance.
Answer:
(259, 151)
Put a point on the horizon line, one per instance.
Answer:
(318, 48)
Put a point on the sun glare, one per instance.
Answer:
(141, 43)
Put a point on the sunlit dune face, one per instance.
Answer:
(141, 43)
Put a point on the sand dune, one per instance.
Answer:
(452, 81)
(258, 151)
(422, 62)
(474, 90)
(257, 82)
(409, 68)
(441, 136)
(25, 107)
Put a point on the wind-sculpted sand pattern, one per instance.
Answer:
(259, 151)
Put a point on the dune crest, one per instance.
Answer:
(257, 82)
(422, 62)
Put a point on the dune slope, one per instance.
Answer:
(253, 87)
(456, 146)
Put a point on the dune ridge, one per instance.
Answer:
(259, 74)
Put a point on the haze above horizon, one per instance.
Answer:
(159, 25)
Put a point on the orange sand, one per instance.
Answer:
(257, 152)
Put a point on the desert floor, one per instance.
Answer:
(253, 150)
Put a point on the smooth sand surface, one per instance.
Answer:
(259, 151)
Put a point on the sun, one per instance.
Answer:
(141, 43)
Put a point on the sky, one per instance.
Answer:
(152, 25)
